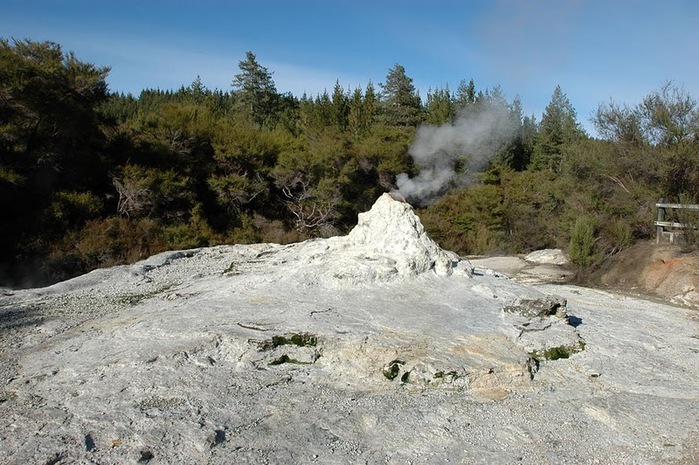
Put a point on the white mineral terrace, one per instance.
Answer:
(376, 347)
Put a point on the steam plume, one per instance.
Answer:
(449, 155)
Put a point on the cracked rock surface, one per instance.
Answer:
(376, 347)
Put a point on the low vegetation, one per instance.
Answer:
(92, 178)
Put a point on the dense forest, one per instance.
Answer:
(91, 178)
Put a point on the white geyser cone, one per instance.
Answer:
(391, 228)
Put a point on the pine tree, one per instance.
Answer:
(256, 92)
(465, 96)
(340, 106)
(440, 107)
(401, 103)
(354, 112)
(518, 153)
(559, 126)
(370, 106)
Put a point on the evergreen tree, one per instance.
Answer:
(354, 112)
(256, 92)
(559, 126)
(324, 111)
(517, 153)
(439, 107)
(340, 106)
(497, 98)
(401, 103)
(465, 96)
(371, 103)
(528, 136)
(197, 91)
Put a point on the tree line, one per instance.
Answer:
(92, 178)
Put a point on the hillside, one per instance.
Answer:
(665, 271)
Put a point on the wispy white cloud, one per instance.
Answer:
(138, 64)
(595, 49)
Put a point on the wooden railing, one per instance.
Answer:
(661, 223)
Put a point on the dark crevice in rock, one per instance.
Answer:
(56, 459)
(146, 456)
(219, 437)
(90, 443)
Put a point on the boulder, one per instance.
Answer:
(547, 257)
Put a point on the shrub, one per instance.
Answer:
(69, 208)
(582, 242)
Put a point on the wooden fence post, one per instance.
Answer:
(661, 217)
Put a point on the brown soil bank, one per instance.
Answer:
(665, 270)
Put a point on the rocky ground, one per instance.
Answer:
(664, 272)
(377, 347)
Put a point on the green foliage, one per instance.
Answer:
(558, 127)
(74, 208)
(196, 232)
(465, 96)
(240, 147)
(440, 107)
(101, 243)
(311, 187)
(689, 235)
(386, 152)
(175, 128)
(340, 107)
(256, 92)
(150, 192)
(361, 112)
(559, 352)
(51, 141)
(295, 339)
(90, 179)
(514, 212)
(518, 152)
(401, 103)
(235, 191)
(669, 116)
(532, 203)
(392, 369)
(48, 107)
(245, 232)
(468, 221)
(660, 138)
(244, 157)
(582, 242)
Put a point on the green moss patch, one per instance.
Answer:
(294, 339)
(556, 353)
(392, 369)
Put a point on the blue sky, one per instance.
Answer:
(595, 50)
